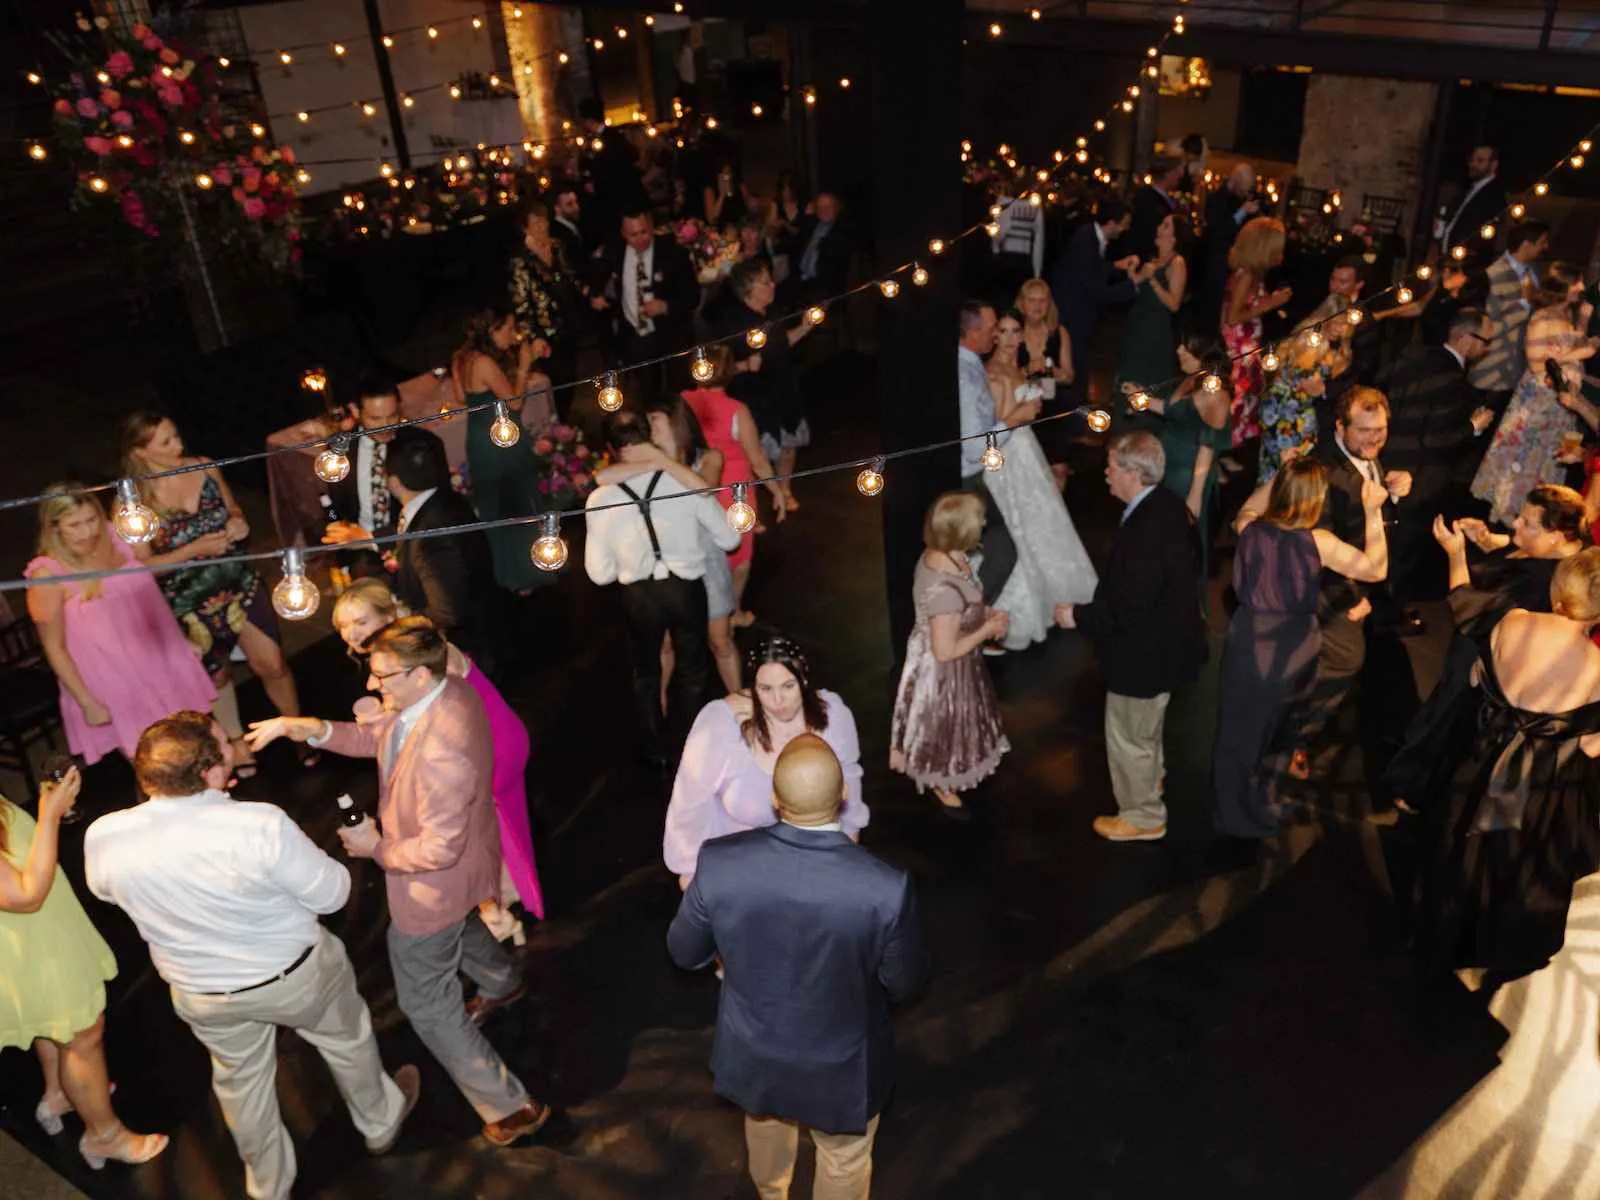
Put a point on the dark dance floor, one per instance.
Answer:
(1135, 1021)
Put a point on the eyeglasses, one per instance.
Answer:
(391, 674)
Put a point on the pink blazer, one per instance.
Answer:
(440, 851)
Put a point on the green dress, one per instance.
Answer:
(1182, 432)
(504, 484)
(53, 963)
(1150, 341)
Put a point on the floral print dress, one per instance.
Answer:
(1242, 341)
(1289, 408)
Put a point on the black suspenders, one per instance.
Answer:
(644, 510)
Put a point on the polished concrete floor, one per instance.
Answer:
(1135, 1021)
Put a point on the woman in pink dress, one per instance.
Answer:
(367, 606)
(1257, 250)
(121, 658)
(729, 427)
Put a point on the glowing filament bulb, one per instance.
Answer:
(1424, 272)
(477, 22)
(1212, 382)
(407, 101)
(992, 229)
(1517, 211)
(368, 108)
(1487, 233)
(756, 338)
(563, 58)
(936, 246)
(816, 315)
(1035, 199)
(1099, 420)
(1355, 316)
(919, 275)
(35, 78)
(257, 129)
(1576, 160)
(702, 368)
(37, 152)
(1458, 253)
(504, 431)
(388, 42)
(296, 597)
(433, 32)
(1314, 338)
(1541, 188)
(302, 116)
(186, 137)
(135, 521)
(869, 481)
(610, 395)
(285, 57)
(995, 30)
(314, 380)
(1269, 361)
(992, 457)
(455, 91)
(97, 184)
(1139, 401)
(339, 50)
(1403, 295)
(549, 550)
(741, 516)
(203, 181)
(890, 289)
(333, 463)
(1099, 125)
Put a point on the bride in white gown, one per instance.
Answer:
(1052, 565)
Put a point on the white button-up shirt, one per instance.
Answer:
(411, 508)
(618, 548)
(365, 449)
(226, 892)
(630, 285)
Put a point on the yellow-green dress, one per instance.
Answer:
(53, 963)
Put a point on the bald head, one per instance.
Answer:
(808, 782)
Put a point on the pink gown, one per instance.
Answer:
(132, 655)
(718, 414)
(510, 788)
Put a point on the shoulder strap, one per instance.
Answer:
(644, 510)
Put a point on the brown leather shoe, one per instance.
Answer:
(1115, 829)
(480, 1006)
(409, 1080)
(523, 1123)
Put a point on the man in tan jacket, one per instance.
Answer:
(439, 847)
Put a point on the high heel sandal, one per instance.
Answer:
(49, 1116)
(124, 1147)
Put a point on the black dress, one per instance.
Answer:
(1522, 826)
(1443, 730)
(1054, 436)
(1269, 662)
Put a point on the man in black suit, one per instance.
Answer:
(1152, 204)
(1483, 203)
(1083, 281)
(1147, 629)
(1227, 209)
(817, 938)
(448, 579)
(359, 506)
(1436, 419)
(644, 285)
(823, 248)
(566, 217)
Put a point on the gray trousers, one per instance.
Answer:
(427, 984)
(318, 1001)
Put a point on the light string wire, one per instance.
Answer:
(873, 461)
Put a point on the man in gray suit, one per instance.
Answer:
(816, 938)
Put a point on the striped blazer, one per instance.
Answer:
(1500, 370)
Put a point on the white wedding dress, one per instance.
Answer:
(1052, 565)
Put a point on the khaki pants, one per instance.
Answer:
(1134, 732)
(844, 1160)
(318, 1001)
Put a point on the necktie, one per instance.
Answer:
(380, 486)
(392, 745)
(641, 287)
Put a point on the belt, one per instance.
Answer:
(281, 975)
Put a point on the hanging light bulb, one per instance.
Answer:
(339, 50)
(1424, 272)
(433, 32)
(609, 396)
(315, 379)
(1487, 232)
(1458, 253)
(477, 22)
(407, 101)
(1139, 401)
(1577, 161)
(1354, 316)
(1314, 338)
(224, 62)
(992, 229)
(919, 275)
(741, 516)
(98, 184)
(890, 288)
(1403, 294)
(549, 550)
(756, 338)
(37, 152)
(186, 137)
(936, 246)
(1212, 382)
(1269, 361)
(992, 457)
(504, 430)
(388, 42)
(135, 521)
(1517, 211)
(333, 463)
(302, 116)
(368, 109)
(296, 597)
(203, 181)
(1541, 188)
(702, 368)
(1099, 420)
(816, 315)
(869, 481)
(285, 57)
(35, 78)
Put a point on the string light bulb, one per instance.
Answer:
(455, 91)
(433, 32)
(1354, 316)
(98, 184)
(816, 315)
(563, 58)
(1487, 232)
(477, 22)
(1035, 200)
(919, 275)
(504, 431)
(315, 380)
(186, 137)
(1576, 160)
(339, 50)
(741, 516)
(1269, 361)
(1541, 188)
(203, 181)
(992, 458)
(285, 57)
(1212, 382)
(994, 29)
(368, 108)
(549, 549)
(869, 480)
(1425, 272)
(1139, 401)
(992, 229)
(1585, 146)
(936, 246)
(257, 129)
(1517, 211)
(845, 83)
(1314, 338)
(890, 288)
(1458, 253)
(224, 62)
(1099, 420)
(35, 78)
(302, 116)
(388, 42)
(609, 396)
(702, 368)
(135, 521)
(296, 597)
(37, 152)
(756, 338)
(333, 463)
(407, 100)
(1403, 295)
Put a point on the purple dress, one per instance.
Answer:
(510, 787)
(721, 788)
(131, 653)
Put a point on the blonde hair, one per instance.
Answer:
(954, 522)
(372, 592)
(1299, 491)
(1575, 587)
(1259, 246)
(1052, 314)
(60, 500)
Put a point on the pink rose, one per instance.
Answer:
(285, 153)
(171, 96)
(97, 145)
(238, 194)
(111, 98)
(170, 57)
(119, 65)
(252, 178)
(543, 446)
(254, 208)
(223, 176)
(582, 452)
(122, 119)
(63, 108)
(562, 432)
(580, 480)
(88, 108)
(152, 42)
(140, 31)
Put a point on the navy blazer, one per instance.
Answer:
(1083, 282)
(817, 937)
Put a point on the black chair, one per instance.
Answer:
(30, 701)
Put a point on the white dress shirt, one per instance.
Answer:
(226, 892)
(365, 448)
(1365, 466)
(630, 286)
(406, 721)
(977, 411)
(1448, 231)
(618, 547)
(411, 508)
(825, 827)
(1135, 502)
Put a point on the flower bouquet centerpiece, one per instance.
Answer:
(566, 466)
(713, 254)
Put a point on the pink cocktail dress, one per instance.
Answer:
(131, 653)
(718, 414)
(510, 787)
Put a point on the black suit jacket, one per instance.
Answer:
(833, 258)
(450, 579)
(1083, 282)
(1150, 208)
(673, 280)
(1430, 421)
(1145, 618)
(817, 938)
(572, 244)
(1472, 215)
(1343, 514)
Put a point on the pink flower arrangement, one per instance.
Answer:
(120, 65)
(565, 465)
